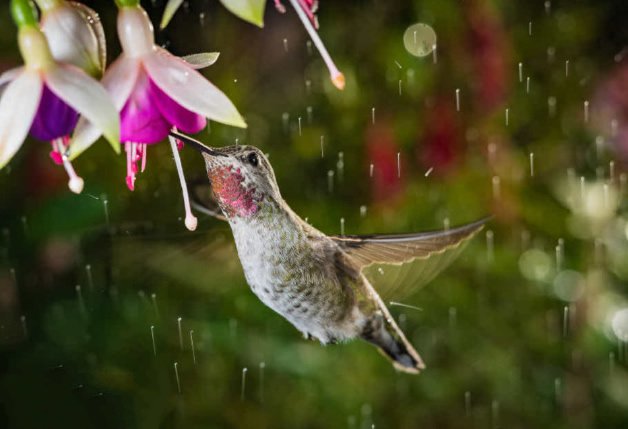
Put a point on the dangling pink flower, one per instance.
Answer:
(154, 92)
(45, 97)
(306, 10)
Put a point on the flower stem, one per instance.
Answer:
(127, 3)
(337, 77)
(24, 13)
(47, 5)
(190, 219)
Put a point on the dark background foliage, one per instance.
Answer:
(512, 334)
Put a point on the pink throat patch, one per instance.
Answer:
(235, 199)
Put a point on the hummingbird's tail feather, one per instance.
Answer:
(392, 343)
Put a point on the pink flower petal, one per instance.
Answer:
(190, 89)
(141, 121)
(178, 116)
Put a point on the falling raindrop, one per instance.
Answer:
(24, 327)
(434, 54)
(179, 319)
(586, 111)
(400, 86)
(398, 165)
(322, 146)
(446, 224)
(453, 317)
(565, 321)
(429, 171)
(551, 51)
(308, 45)
(530, 28)
(299, 120)
(566, 68)
(528, 85)
(152, 336)
(192, 346)
(90, 280)
(262, 367)
(285, 119)
(557, 391)
(467, 403)
(176, 374)
(507, 114)
(243, 385)
(310, 114)
(373, 115)
(520, 72)
(330, 181)
(548, 7)
(490, 246)
(458, 99)
(560, 254)
(81, 302)
(342, 226)
(285, 44)
(551, 106)
(340, 167)
(531, 164)
(496, 187)
(362, 211)
(495, 414)
(105, 205)
(371, 168)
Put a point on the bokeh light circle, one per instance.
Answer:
(419, 39)
(620, 324)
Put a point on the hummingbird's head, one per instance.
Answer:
(242, 180)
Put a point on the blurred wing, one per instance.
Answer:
(399, 264)
(203, 201)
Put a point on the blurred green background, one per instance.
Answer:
(528, 328)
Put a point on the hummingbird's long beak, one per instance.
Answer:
(201, 147)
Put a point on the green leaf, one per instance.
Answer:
(248, 10)
(171, 8)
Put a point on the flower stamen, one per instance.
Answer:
(337, 78)
(190, 220)
(75, 183)
(130, 170)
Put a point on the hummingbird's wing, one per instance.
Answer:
(400, 263)
(202, 199)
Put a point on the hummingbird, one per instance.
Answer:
(314, 280)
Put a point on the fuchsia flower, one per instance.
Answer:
(155, 92)
(306, 10)
(75, 35)
(45, 97)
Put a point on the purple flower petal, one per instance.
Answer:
(182, 118)
(141, 120)
(54, 118)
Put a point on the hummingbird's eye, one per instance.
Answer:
(252, 159)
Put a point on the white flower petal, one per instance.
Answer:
(190, 89)
(201, 60)
(120, 78)
(119, 81)
(72, 39)
(8, 76)
(18, 107)
(87, 97)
